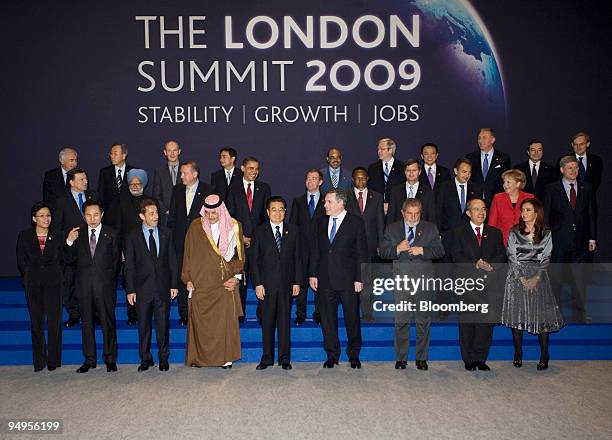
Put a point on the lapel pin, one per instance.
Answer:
(485, 236)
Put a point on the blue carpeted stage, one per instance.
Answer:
(573, 342)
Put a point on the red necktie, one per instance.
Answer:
(572, 196)
(249, 197)
(360, 201)
(478, 236)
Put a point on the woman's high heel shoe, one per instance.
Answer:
(518, 360)
(543, 364)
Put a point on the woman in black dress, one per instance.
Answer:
(529, 303)
(39, 258)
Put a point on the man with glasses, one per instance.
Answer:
(386, 172)
(165, 178)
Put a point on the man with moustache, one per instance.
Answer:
(68, 215)
(112, 180)
(367, 204)
(539, 174)
(55, 183)
(185, 205)
(165, 178)
(478, 252)
(228, 174)
(488, 164)
(277, 274)
(246, 203)
(387, 171)
(94, 251)
(151, 282)
(432, 173)
(412, 189)
(414, 243)
(305, 210)
(334, 176)
(338, 249)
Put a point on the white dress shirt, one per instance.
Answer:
(364, 194)
(339, 219)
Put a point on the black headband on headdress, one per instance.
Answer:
(214, 205)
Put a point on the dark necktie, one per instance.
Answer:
(277, 236)
(119, 180)
(386, 172)
(311, 206)
(430, 177)
(572, 196)
(582, 169)
(462, 201)
(360, 202)
(152, 244)
(534, 175)
(173, 175)
(92, 242)
(478, 236)
(249, 195)
(485, 166)
(332, 233)
(410, 236)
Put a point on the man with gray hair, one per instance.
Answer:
(387, 171)
(338, 248)
(55, 183)
(414, 243)
(112, 180)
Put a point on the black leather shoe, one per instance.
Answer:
(543, 364)
(132, 321)
(164, 366)
(51, 368)
(111, 366)
(182, 322)
(400, 365)
(261, 366)
(299, 320)
(37, 369)
(241, 319)
(85, 368)
(355, 363)
(470, 366)
(70, 322)
(421, 365)
(286, 366)
(144, 366)
(482, 366)
(227, 367)
(97, 321)
(329, 363)
(316, 319)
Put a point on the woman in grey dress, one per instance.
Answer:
(529, 303)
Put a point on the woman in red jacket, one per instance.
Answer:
(505, 210)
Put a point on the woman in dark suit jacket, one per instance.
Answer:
(40, 258)
(505, 211)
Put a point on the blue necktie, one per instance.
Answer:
(311, 206)
(410, 236)
(81, 201)
(332, 234)
(386, 173)
(582, 169)
(277, 236)
(485, 166)
(462, 198)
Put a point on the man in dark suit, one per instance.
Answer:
(112, 180)
(228, 174)
(165, 178)
(488, 164)
(571, 213)
(338, 248)
(55, 183)
(277, 274)
(451, 201)
(151, 280)
(539, 174)
(185, 205)
(95, 253)
(414, 243)
(432, 173)
(478, 253)
(305, 210)
(246, 202)
(590, 166)
(387, 171)
(68, 215)
(412, 188)
(334, 176)
(367, 204)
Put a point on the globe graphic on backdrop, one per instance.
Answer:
(465, 50)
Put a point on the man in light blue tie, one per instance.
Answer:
(334, 176)
(414, 243)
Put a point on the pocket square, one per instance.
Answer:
(497, 166)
